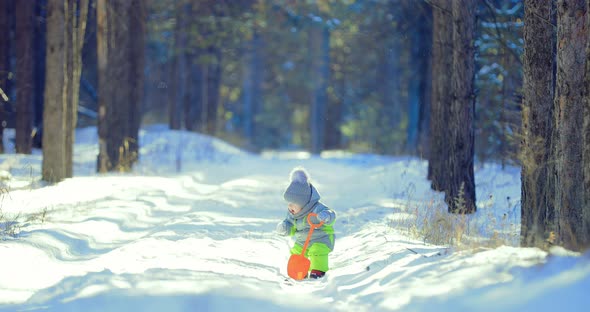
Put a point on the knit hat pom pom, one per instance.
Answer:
(299, 175)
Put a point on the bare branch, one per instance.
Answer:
(429, 2)
(544, 20)
(499, 36)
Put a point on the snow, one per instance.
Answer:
(191, 229)
(505, 25)
(509, 11)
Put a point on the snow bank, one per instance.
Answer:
(199, 236)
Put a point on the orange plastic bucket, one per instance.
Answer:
(298, 265)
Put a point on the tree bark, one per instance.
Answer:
(213, 83)
(137, 63)
(207, 70)
(537, 188)
(66, 25)
(572, 36)
(54, 150)
(40, 43)
(388, 90)
(77, 20)
(177, 67)
(25, 13)
(193, 103)
(419, 93)
(113, 83)
(120, 43)
(424, 131)
(425, 87)
(70, 15)
(320, 49)
(104, 86)
(334, 116)
(4, 66)
(119, 64)
(442, 65)
(192, 75)
(252, 97)
(586, 134)
(460, 196)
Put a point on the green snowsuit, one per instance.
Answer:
(322, 240)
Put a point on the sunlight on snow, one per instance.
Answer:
(207, 232)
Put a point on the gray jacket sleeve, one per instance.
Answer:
(284, 227)
(331, 213)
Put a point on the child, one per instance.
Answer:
(303, 198)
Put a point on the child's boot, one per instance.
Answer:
(315, 274)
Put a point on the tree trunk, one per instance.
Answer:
(208, 68)
(572, 37)
(192, 75)
(537, 190)
(119, 68)
(442, 65)
(425, 87)
(25, 13)
(66, 25)
(54, 150)
(4, 66)
(137, 47)
(388, 87)
(70, 15)
(586, 155)
(104, 85)
(186, 103)
(120, 43)
(177, 67)
(39, 46)
(413, 108)
(252, 85)
(320, 49)
(424, 131)
(113, 83)
(213, 83)
(334, 116)
(77, 19)
(203, 95)
(193, 103)
(421, 45)
(460, 196)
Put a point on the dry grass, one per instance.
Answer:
(431, 222)
(127, 157)
(11, 224)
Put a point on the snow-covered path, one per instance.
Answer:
(202, 239)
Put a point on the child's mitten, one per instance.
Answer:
(283, 228)
(325, 216)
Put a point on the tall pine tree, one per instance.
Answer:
(572, 36)
(538, 189)
(460, 195)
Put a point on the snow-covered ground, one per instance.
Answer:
(191, 229)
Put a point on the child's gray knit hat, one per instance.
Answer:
(299, 191)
